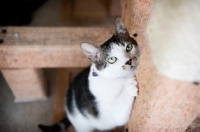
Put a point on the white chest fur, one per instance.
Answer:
(114, 100)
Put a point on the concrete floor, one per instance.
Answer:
(24, 117)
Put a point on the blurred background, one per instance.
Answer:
(58, 12)
(24, 117)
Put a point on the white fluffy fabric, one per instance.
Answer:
(174, 37)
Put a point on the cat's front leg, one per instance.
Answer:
(131, 87)
(126, 97)
(130, 90)
(122, 105)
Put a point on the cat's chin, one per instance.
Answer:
(132, 73)
(129, 73)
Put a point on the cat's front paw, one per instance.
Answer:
(131, 86)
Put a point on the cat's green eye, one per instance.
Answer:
(129, 47)
(112, 60)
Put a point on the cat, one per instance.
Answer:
(102, 96)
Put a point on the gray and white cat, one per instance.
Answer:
(101, 97)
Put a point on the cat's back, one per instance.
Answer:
(79, 95)
(76, 87)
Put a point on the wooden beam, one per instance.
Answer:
(36, 47)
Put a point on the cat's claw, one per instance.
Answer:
(131, 86)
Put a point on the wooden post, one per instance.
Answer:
(135, 14)
(26, 84)
(163, 104)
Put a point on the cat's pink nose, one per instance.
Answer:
(129, 62)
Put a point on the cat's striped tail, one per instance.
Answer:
(64, 124)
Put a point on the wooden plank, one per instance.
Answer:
(62, 83)
(36, 47)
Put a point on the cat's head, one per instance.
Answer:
(117, 57)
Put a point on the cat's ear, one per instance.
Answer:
(91, 51)
(119, 27)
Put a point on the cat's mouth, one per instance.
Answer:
(132, 63)
(126, 67)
